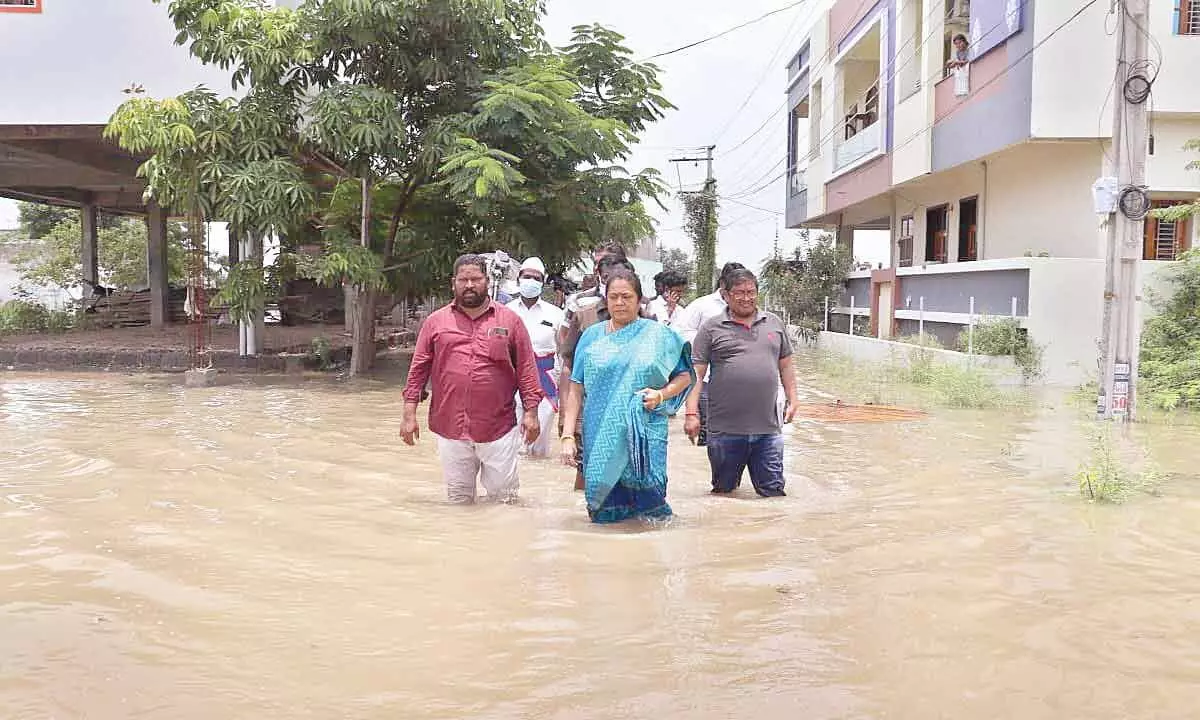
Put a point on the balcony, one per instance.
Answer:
(863, 144)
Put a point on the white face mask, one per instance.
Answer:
(530, 288)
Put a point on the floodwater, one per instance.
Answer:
(269, 549)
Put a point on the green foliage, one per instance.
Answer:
(470, 132)
(54, 259)
(918, 378)
(676, 260)
(1104, 478)
(22, 316)
(36, 220)
(1170, 354)
(700, 222)
(320, 353)
(801, 283)
(1005, 337)
(246, 290)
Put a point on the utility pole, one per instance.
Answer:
(1119, 344)
(706, 252)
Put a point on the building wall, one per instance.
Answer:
(89, 51)
(1175, 87)
(996, 113)
(1039, 200)
(1166, 169)
(1066, 98)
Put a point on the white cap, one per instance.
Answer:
(534, 263)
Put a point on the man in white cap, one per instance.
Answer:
(542, 320)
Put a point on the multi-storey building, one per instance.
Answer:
(984, 176)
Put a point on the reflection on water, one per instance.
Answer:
(270, 550)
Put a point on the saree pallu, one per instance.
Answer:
(624, 446)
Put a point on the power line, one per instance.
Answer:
(746, 204)
(762, 78)
(723, 33)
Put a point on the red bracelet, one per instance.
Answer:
(692, 415)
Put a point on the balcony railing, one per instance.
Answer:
(864, 143)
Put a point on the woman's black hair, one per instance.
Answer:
(957, 36)
(621, 273)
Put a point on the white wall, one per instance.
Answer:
(1175, 87)
(69, 64)
(1039, 199)
(1166, 169)
(1073, 71)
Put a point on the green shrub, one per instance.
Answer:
(1004, 337)
(1170, 357)
(23, 316)
(1105, 479)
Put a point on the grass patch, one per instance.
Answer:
(922, 380)
(1105, 478)
(23, 316)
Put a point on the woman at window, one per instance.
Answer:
(630, 374)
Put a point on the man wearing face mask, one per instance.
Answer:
(542, 320)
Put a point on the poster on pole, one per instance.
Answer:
(20, 6)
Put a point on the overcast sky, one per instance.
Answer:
(709, 85)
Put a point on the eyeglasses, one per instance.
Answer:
(744, 295)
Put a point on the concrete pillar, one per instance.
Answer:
(156, 263)
(89, 245)
(250, 332)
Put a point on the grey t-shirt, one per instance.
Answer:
(744, 372)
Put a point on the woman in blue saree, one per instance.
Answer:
(630, 375)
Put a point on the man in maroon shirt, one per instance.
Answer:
(478, 356)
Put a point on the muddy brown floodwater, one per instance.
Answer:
(268, 549)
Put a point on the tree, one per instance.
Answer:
(677, 260)
(53, 260)
(801, 284)
(396, 134)
(37, 220)
(700, 223)
(1170, 352)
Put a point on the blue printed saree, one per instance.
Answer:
(624, 446)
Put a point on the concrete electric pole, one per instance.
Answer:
(1119, 344)
(706, 252)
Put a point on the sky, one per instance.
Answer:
(729, 92)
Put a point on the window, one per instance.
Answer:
(1187, 17)
(905, 243)
(1166, 239)
(968, 214)
(935, 234)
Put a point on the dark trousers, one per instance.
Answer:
(702, 438)
(730, 455)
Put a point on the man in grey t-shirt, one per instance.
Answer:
(749, 353)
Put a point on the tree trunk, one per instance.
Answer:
(360, 303)
(360, 316)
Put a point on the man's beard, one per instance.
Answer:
(471, 299)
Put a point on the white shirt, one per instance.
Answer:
(658, 308)
(688, 321)
(541, 320)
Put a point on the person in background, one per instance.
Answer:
(583, 319)
(960, 56)
(749, 353)
(592, 292)
(477, 355)
(542, 321)
(671, 286)
(630, 374)
(688, 323)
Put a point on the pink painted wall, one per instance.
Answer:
(859, 184)
(985, 70)
(844, 15)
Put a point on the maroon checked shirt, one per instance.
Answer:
(476, 367)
